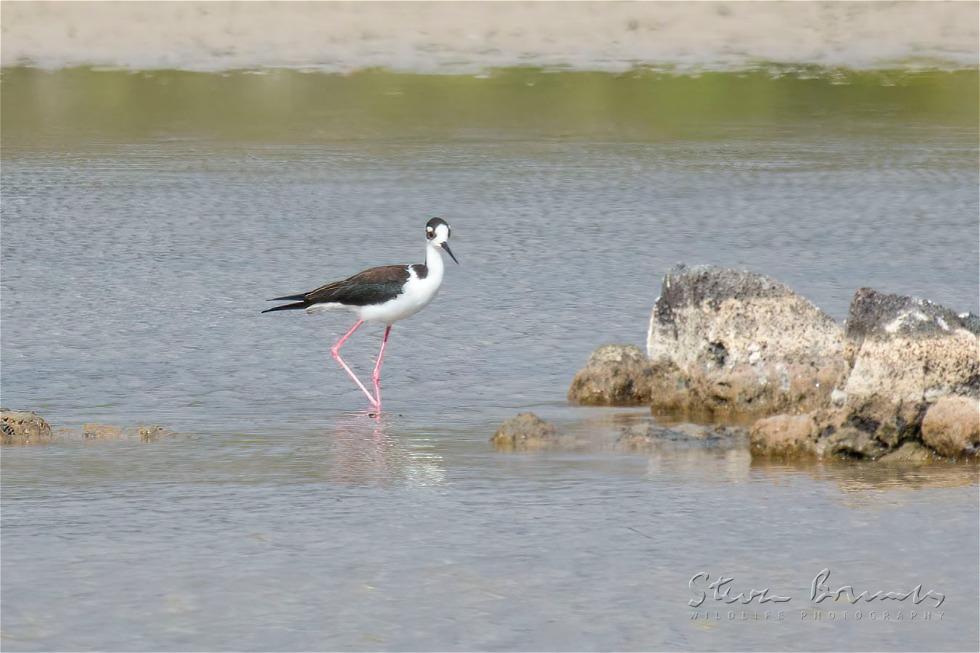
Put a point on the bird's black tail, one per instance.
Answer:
(287, 307)
(292, 298)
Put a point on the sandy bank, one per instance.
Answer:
(470, 36)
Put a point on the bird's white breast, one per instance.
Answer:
(415, 296)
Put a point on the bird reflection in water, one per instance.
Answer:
(372, 452)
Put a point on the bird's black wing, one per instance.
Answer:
(373, 286)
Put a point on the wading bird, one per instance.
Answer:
(384, 294)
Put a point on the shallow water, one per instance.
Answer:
(406, 537)
(140, 239)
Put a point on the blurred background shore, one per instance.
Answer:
(473, 36)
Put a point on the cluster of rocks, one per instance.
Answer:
(26, 428)
(899, 380)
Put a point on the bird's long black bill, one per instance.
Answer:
(445, 246)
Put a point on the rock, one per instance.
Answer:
(909, 350)
(615, 375)
(851, 442)
(952, 427)
(872, 430)
(910, 358)
(908, 354)
(865, 430)
(877, 314)
(734, 342)
(526, 431)
(23, 427)
(910, 452)
(971, 321)
(650, 436)
(784, 436)
(890, 422)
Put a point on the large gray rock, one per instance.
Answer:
(23, 427)
(908, 349)
(615, 375)
(877, 314)
(911, 394)
(735, 342)
(908, 354)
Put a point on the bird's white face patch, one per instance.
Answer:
(437, 235)
(442, 234)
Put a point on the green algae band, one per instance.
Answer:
(51, 107)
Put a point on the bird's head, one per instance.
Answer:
(437, 233)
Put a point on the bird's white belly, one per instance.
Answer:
(416, 296)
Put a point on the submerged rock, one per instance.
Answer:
(29, 428)
(152, 432)
(106, 432)
(651, 435)
(910, 452)
(730, 342)
(102, 432)
(23, 427)
(526, 431)
(615, 375)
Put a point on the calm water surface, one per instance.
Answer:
(138, 249)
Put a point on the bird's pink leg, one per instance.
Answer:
(376, 376)
(335, 351)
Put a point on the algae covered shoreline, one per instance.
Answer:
(84, 106)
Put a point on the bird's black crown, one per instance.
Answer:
(430, 227)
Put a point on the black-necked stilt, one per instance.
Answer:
(385, 294)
